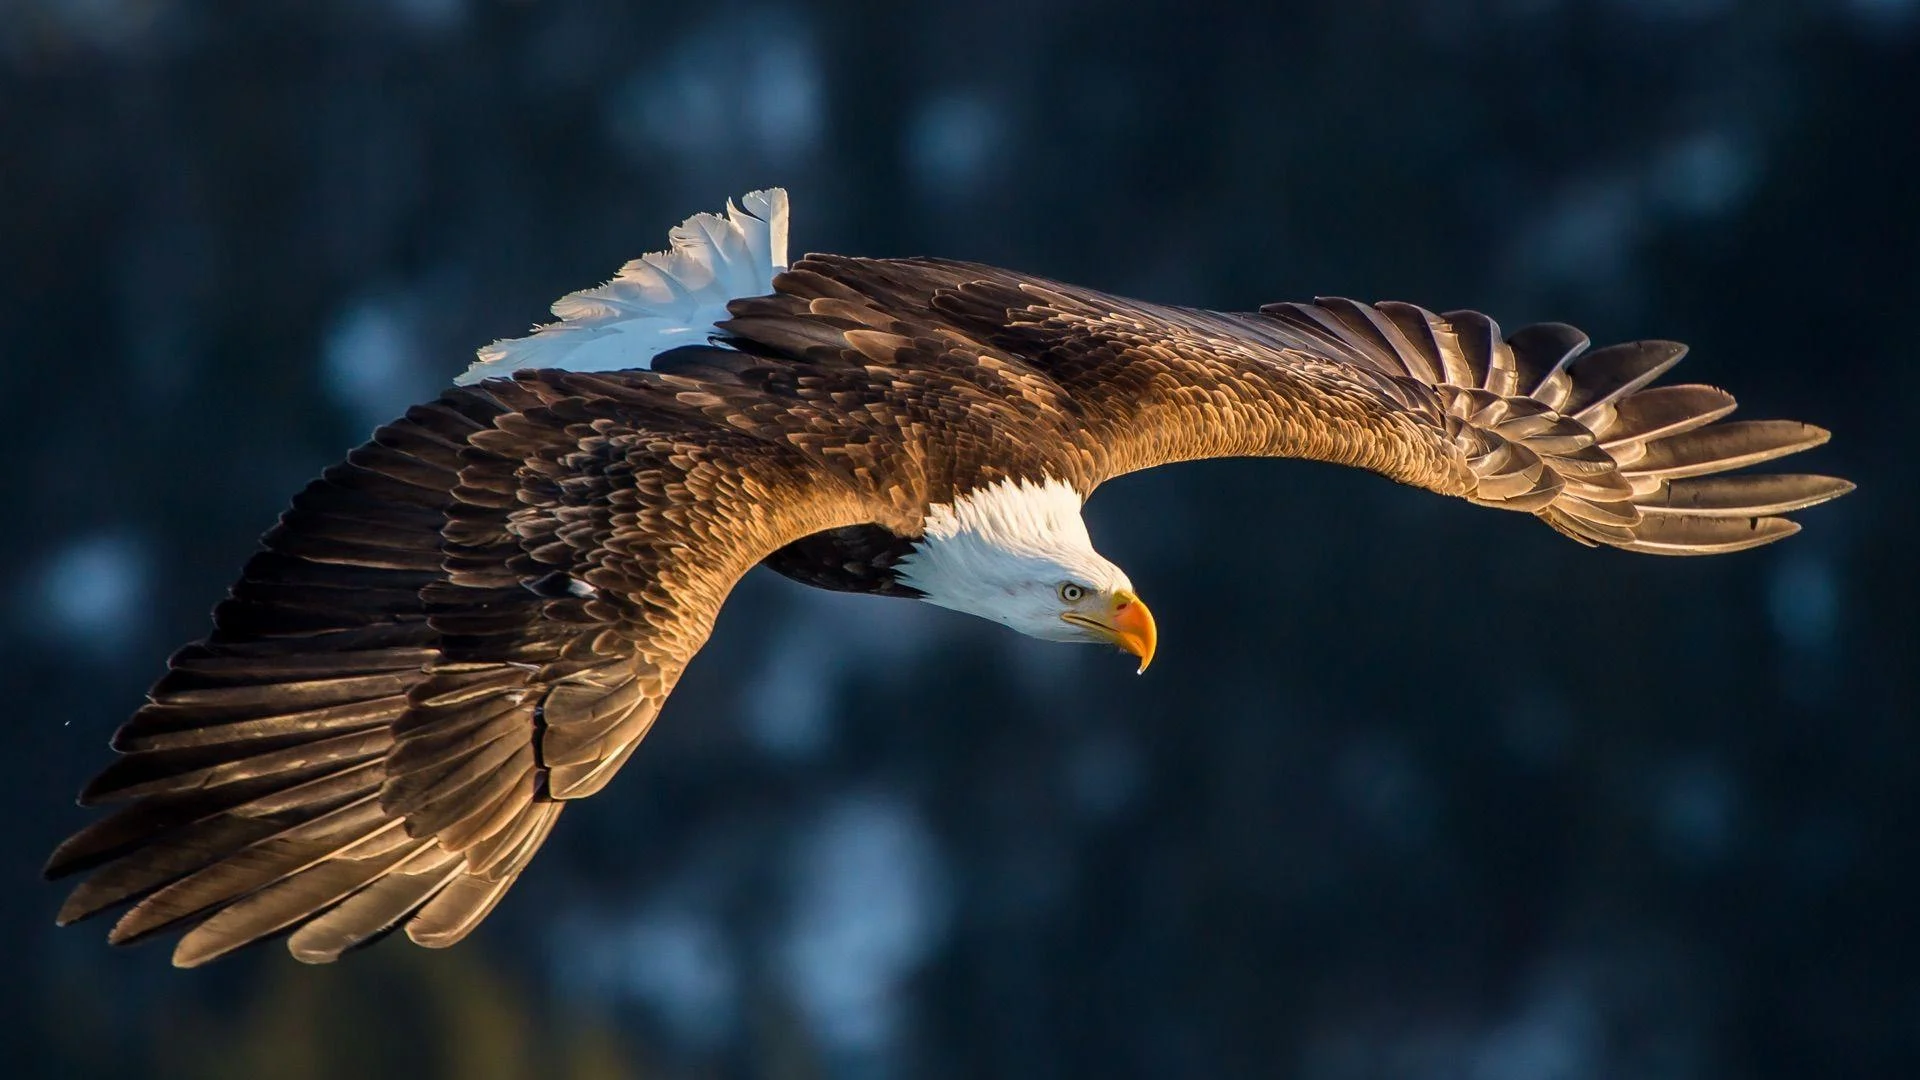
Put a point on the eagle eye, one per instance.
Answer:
(1071, 592)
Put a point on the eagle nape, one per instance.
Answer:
(474, 619)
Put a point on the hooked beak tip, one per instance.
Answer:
(1133, 629)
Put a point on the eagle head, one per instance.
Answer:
(1018, 553)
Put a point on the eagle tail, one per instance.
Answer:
(250, 782)
(659, 301)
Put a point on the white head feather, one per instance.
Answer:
(659, 301)
(1005, 551)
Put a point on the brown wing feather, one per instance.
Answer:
(1134, 385)
(1604, 453)
(1533, 422)
(1576, 436)
(472, 620)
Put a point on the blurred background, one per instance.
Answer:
(1414, 790)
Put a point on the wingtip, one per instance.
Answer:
(1787, 527)
(100, 789)
(1833, 487)
(81, 903)
(187, 959)
(69, 858)
(312, 956)
(200, 946)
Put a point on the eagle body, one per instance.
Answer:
(475, 618)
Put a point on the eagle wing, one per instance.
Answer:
(1531, 421)
(471, 621)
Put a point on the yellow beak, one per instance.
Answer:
(1126, 623)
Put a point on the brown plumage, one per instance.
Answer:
(477, 616)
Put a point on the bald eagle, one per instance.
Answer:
(474, 619)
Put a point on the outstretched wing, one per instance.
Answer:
(472, 620)
(1532, 422)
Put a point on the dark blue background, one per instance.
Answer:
(1415, 789)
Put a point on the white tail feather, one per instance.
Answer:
(659, 301)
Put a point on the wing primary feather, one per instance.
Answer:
(1721, 447)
